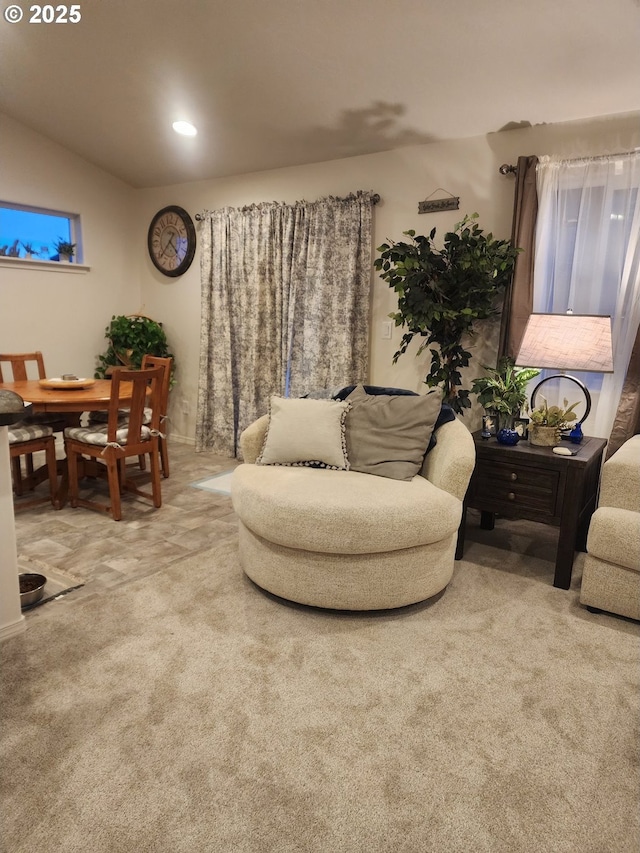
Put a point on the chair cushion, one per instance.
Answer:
(614, 536)
(98, 435)
(342, 512)
(24, 431)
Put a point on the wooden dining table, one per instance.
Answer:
(70, 402)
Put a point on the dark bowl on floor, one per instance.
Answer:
(31, 588)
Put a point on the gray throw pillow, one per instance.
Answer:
(389, 435)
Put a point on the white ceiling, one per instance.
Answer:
(273, 83)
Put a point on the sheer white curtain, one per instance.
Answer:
(588, 257)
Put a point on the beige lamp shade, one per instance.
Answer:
(567, 342)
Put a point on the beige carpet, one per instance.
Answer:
(188, 711)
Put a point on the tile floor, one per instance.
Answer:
(103, 553)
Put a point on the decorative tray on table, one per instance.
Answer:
(60, 383)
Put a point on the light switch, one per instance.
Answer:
(386, 329)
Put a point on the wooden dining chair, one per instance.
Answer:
(24, 366)
(147, 362)
(110, 445)
(165, 363)
(25, 440)
(20, 366)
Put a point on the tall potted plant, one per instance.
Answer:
(442, 292)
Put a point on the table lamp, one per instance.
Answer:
(567, 342)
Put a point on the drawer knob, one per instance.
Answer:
(511, 496)
(514, 476)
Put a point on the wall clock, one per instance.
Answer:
(172, 240)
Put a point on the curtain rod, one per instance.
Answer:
(375, 198)
(596, 158)
(507, 169)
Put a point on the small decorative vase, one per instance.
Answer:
(64, 259)
(576, 436)
(543, 436)
(508, 436)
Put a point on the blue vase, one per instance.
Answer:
(575, 436)
(508, 436)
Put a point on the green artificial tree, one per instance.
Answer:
(442, 292)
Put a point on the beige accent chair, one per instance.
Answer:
(348, 540)
(611, 576)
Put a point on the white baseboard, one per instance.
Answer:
(13, 629)
(182, 439)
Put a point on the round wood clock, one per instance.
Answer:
(172, 240)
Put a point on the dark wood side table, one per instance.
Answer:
(524, 481)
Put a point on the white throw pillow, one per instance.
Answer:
(305, 432)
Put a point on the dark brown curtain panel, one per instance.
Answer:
(518, 301)
(627, 420)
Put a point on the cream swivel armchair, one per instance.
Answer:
(611, 576)
(349, 540)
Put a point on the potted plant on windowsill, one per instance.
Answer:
(503, 393)
(547, 422)
(29, 250)
(65, 250)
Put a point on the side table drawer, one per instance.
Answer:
(514, 488)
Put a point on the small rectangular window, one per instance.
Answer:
(34, 233)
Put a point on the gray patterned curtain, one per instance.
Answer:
(285, 308)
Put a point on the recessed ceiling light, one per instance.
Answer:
(184, 128)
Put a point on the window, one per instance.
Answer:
(588, 257)
(33, 233)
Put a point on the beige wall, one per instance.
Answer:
(65, 314)
(466, 168)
